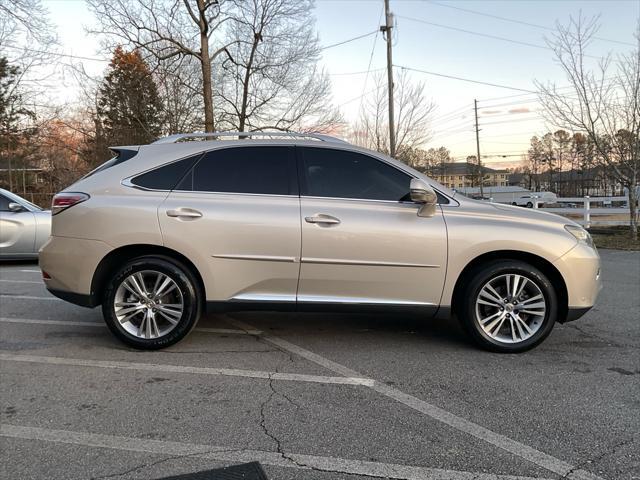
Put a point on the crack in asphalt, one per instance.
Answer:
(595, 460)
(614, 343)
(278, 443)
(163, 460)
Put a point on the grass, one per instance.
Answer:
(617, 238)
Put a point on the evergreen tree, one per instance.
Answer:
(128, 105)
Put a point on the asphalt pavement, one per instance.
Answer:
(318, 396)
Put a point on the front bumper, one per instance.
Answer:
(580, 268)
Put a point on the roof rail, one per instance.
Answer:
(216, 135)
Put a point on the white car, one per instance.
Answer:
(24, 227)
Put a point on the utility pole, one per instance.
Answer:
(386, 29)
(481, 176)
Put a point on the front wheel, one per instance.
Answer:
(151, 303)
(508, 306)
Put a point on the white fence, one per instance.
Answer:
(582, 206)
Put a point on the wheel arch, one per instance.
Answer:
(114, 259)
(537, 261)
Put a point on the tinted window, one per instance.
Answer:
(261, 170)
(342, 174)
(4, 204)
(167, 176)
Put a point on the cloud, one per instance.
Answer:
(519, 110)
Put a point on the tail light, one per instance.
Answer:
(64, 200)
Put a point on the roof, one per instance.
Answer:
(460, 168)
(488, 189)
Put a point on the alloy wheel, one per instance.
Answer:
(510, 308)
(148, 304)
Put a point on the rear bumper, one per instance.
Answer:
(575, 313)
(71, 263)
(75, 298)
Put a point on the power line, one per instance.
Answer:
(349, 40)
(356, 73)
(373, 49)
(481, 34)
(363, 95)
(613, 79)
(453, 114)
(513, 20)
(517, 120)
(56, 54)
(465, 79)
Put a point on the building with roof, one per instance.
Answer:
(463, 175)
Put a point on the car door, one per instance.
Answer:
(236, 214)
(17, 230)
(362, 240)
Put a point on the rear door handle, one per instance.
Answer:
(322, 218)
(184, 213)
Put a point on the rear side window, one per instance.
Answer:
(167, 176)
(343, 174)
(263, 170)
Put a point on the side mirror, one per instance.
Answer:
(16, 207)
(422, 193)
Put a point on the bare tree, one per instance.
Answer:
(179, 86)
(169, 29)
(413, 111)
(25, 18)
(605, 103)
(271, 78)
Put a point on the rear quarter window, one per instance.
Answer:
(167, 176)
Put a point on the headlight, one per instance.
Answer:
(580, 233)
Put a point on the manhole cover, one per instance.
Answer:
(246, 471)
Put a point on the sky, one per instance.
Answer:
(440, 46)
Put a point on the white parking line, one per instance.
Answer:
(27, 297)
(33, 321)
(165, 368)
(231, 455)
(530, 454)
(22, 281)
(31, 271)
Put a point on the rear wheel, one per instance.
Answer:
(529, 204)
(508, 306)
(151, 303)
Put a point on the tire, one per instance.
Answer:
(163, 313)
(529, 205)
(486, 300)
(515, 204)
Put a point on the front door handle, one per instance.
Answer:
(184, 213)
(322, 218)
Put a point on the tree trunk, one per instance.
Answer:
(633, 212)
(205, 63)
(245, 83)
(207, 91)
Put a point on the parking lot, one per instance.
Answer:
(318, 396)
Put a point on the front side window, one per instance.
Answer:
(4, 204)
(265, 170)
(343, 174)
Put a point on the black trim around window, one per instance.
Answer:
(302, 180)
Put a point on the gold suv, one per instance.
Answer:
(162, 232)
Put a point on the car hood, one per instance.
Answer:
(513, 213)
